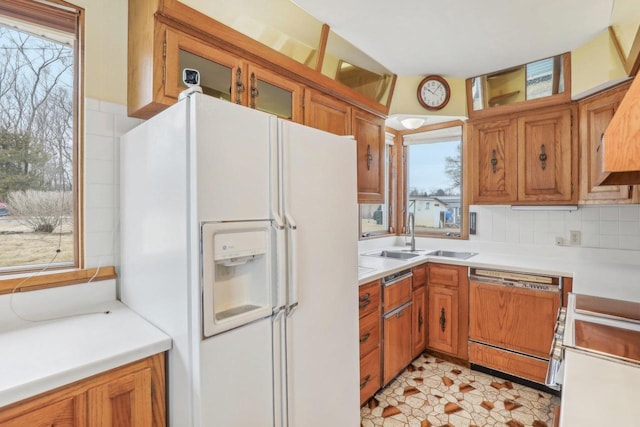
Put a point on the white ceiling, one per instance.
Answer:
(461, 38)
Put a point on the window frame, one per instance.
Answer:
(464, 186)
(65, 17)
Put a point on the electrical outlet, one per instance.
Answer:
(574, 237)
(559, 240)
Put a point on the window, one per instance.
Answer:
(375, 217)
(39, 117)
(434, 181)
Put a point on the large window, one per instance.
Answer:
(434, 181)
(375, 217)
(38, 135)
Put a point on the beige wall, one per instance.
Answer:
(594, 65)
(405, 98)
(105, 49)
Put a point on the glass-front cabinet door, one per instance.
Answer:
(221, 73)
(274, 94)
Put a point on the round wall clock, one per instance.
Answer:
(433, 92)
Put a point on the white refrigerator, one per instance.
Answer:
(239, 239)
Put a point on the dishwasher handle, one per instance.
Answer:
(392, 279)
(398, 312)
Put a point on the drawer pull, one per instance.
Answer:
(365, 304)
(365, 337)
(365, 297)
(364, 383)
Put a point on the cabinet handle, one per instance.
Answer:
(543, 157)
(239, 86)
(366, 380)
(254, 90)
(420, 320)
(400, 313)
(443, 320)
(369, 157)
(365, 296)
(365, 337)
(601, 142)
(365, 303)
(494, 161)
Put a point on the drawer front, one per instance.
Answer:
(446, 275)
(419, 276)
(511, 363)
(369, 333)
(397, 294)
(369, 375)
(369, 300)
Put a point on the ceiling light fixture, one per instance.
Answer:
(412, 123)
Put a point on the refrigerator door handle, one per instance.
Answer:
(280, 293)
(292, 255)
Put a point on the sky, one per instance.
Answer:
(427, 163)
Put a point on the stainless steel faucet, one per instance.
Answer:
(411, 225)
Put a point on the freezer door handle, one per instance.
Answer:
(292, 255)
(280, 293)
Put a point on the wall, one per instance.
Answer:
(595, 65)
(609, 227)
(405, 99)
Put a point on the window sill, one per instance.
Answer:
(35, 281)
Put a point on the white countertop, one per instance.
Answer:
(610, 274)
(91, 333)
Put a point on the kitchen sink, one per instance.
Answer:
(452, 254)
(396, 254)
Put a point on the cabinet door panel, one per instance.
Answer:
(397, 343)
(419, 321)
(64, 413)
(123, 402)
(493, 163)
(274, 94)
(495, 320)
(595, 115)
(369, 133)
(545, 156)
(327, 114)
(443, 319)
(218, 69)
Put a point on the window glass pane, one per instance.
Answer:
(37, 108)
(215, 79)
(434, 193)
(540, 78)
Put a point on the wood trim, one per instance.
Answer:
(63, 18)
(36, 281)
(631, 63)
(322, 47)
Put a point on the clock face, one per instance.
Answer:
(433, 93)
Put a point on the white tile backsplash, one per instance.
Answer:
(611, 227)
(105, 122)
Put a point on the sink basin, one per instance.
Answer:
(396, 255)
(452, 254)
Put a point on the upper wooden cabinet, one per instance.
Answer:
(368, 130)
(525, 158)
(595, 114)
(326, 113)
(494, 161)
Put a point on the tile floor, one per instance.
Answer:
(433, 392)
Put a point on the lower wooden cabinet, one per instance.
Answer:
(397, 342)
(129, 396)
(448, 309)
(370, 351)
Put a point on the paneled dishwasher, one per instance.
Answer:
(511, 321)
(396, 323)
